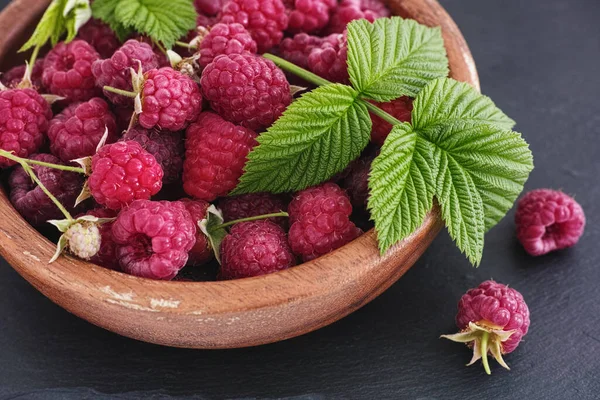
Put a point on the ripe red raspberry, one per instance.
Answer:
(330, 60)
(252, 205)
(122, 173)
(154, 238)
(225, 39)
(297, 49)
(201, 253)
(68, 70)
(24, 116)
(14, 76)
(265, 20)
(115, 71)
(400, 108)
(216, 153)
(491, 317)
(253, 249)
(320, 218)
(167, 147)
(309, 16)
(100, 36)
(350, 10)
(356, 183)
(106, 256)
(77, 130)
(246, 89)
(208, 7)
(29, 199)
(548, 220)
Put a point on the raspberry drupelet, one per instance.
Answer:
(400, 108)
(252, 205)
(201, 253)
(225, 39)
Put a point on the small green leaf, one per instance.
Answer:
(317, 137)
(76, 13)
(105, 11)
(48, 27)
(211, 227)
(394, 57)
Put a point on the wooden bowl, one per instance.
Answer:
(230, 314)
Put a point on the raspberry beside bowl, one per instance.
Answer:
(227, 314)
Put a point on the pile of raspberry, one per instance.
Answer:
(153, 174)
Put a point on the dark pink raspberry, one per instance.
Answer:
(208, 7)
(116, 71)
(309, 16)
(350, 10)
(205, 22)
(253, 205)
(14, 76)
(297, 49)
(400, 108)
(216, 153)
(254, 249)
(320, 218)
(122, 173)
(265, 20)
(153, 238)
(356, 183)
(167, 147)
(24, 117)
(493, 313)
(100, 36)
(201, 253)
(330, 60)
(225, 39)
(246, 89)
(107, 256)
(29, 199)
(77, 130)
(68, 70)
(170, 100)
(548, 220)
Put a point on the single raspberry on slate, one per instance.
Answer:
(216, 153)
(225, 39)
(167, 147)
(297, 49)
(350, 10)
(330, 60)
(253, 249)
(14, 76)
(400, 108)
(29, 199)
(356, 183)
(493, 314)
(105, 257)
(265, 20)
(309, 16)
(320, 218)
(246, 89)
(77, 130)
(170, 100)
(548, 220)
(208, 7)
(100, 36)
(252, 205)
(115, 71)
(123, 172)
(24, 117)
(68, 70)
(153, 238)
(201, 253)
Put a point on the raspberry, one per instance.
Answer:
(265, 20)
(83, 240)
(77, 130)
(115, 71)
(309, 16)
(320, 218)
(548, 220)
(205, 22)
(106, 255)
(24, 116)
(201, 253)
(122, 173)
(166, 147)
(153, 238)
(330, 60)
(495, 314)
(208, 7)
(357, 181)
(252, 205)
(297, 49)
(253, 249)
(15, 75)
(350, 10)
(216, 153)
(246, 89)
(100, 36)
(170, 100)
(68, 70)
(400, 108)
(29, 199)
(225, 39)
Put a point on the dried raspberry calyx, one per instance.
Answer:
(81, 236)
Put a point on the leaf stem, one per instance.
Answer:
(380, 113)
(186, 45)
(34, 56)
(10, 156)
(484, 352)
(250, 219)
(126, 93)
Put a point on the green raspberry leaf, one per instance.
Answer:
(163, 22)
(394, 57)
(316, 137)
(105, 11)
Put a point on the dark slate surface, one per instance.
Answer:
(540, 61)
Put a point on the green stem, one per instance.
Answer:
(120, 91)
(380, 113)
(186, 45)
(34, 56)
(250, 219)
(160, 46)
(10, 156)
(484, 352)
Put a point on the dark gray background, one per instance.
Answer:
(540, 61)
